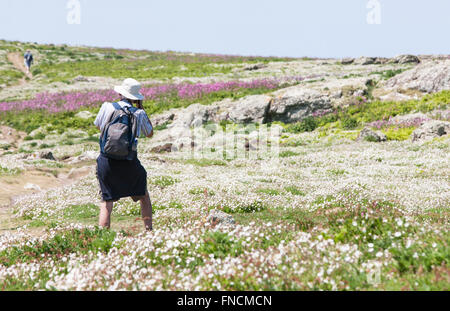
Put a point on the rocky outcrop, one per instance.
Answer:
(365, 61)
(400, 59)
(288, 105)
(195, 115)
(430, 130)
(368, 135)
(405, 59)
(296, 103)
(251, 109)
(427, 77)
(163, 118)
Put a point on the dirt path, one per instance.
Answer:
(13, 187)
(16, 59)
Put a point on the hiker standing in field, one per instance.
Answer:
(119, 172)
(28, 60)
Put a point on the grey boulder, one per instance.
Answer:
(405, 59)
(427, 77)
(217, 217)
(365, 61)
(369, 135)
(347, 61)
(253, 109)
(47, 155)
(296, 103)
(430, 130)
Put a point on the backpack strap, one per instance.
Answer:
(133, 119)
(112, 116)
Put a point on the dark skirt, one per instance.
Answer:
(121, 178)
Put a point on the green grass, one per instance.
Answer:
(201, 191)
(346, 218)
(142, 69)
(251, 208)
(220, 245)
(363, 222)
(403, 133)
(294, 190)
(144, 64)
(387, 74)
(308, 124)
(371, 138)
(10, 76)
(84, 211)
(268, 191)
(336, 172)
(81, 241)
(164, 181)
(205, 162)
(376, 110)
(4, 171)
(5, 146)
(288, 153)
(356, 115)
(29, 121)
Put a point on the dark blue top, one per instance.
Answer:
(28, 57)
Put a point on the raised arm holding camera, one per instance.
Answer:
(119, 171)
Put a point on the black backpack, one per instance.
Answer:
(118, 137)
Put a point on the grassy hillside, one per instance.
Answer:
(63, 63)
(321, 212)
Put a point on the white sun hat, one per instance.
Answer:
(130, 89)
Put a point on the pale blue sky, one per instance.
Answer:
(316, 28)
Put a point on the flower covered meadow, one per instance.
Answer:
(332, 216)
(318, 210)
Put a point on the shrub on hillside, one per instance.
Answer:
(349, 123)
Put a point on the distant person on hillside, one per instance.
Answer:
(28, 60)
(119, 172)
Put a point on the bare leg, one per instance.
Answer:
(105, 214)
(146, 212)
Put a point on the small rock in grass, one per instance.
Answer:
(217, 217)
(76, 173)
(254, 67)
(368, 135)
(359, 93)
(347, 61)
(47, 155)
(84, 115)
(162, 148)
(81, 79)
(337, 94)
(86, 156)
(30, 186)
